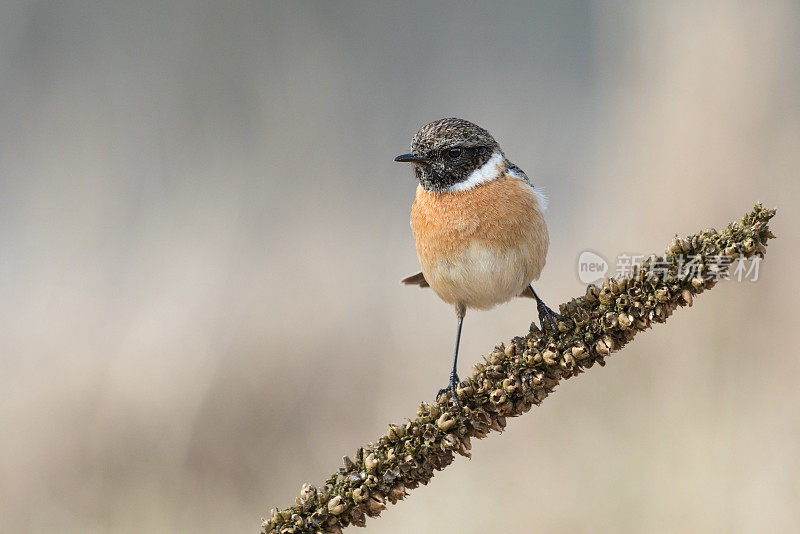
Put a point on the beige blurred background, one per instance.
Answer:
(202, 232)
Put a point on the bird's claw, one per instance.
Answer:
(550, 315)
(451, 387)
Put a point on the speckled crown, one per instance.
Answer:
(450, 132)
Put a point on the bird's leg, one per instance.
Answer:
(545, 312)
(454, 380)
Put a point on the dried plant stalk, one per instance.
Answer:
(515, 377)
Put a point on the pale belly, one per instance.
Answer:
(482, 278)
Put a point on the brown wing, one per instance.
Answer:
(416, 280)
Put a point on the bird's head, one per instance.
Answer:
(451, 155)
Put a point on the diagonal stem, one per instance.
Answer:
(515, 377)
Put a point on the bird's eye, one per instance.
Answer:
(454, 153)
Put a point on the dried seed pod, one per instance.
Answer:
(450, 441)
(477, 369)
(510, 350)
(376, 503)
(606, 297)
(483, 387)
(602, 348)
(625, 320)
(398, 492)
(579, 352)
(592, 294)
(464, 391)
(298, 521)
(567, 361)
(497, 397)
(357, 517)
(495, 426)
(675, 246)
(360, 494)
(509, 385)
(423, 409)
(494, 372)
(549, 357)
(497, 357)
(308, 492)
(581, 317)
(444, 422)
(371, 462)
(614, 286)
(498, 423)
(336, 506)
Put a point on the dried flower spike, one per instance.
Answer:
(516, 377)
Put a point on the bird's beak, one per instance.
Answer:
(410, 158)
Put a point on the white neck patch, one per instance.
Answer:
(485, 173)
(541, 197)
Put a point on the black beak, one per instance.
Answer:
(410, 158)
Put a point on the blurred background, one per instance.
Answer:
(202, 232)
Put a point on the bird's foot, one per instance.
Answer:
(451, 387)
(546, 313)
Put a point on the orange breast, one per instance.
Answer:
(476, 246)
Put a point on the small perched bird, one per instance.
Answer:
(477, 220)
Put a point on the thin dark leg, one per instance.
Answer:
(545, 312)
(454, 380)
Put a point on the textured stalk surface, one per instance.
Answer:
(517, 376)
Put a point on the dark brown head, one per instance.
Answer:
(448, 153)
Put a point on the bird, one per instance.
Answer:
(478, 224)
